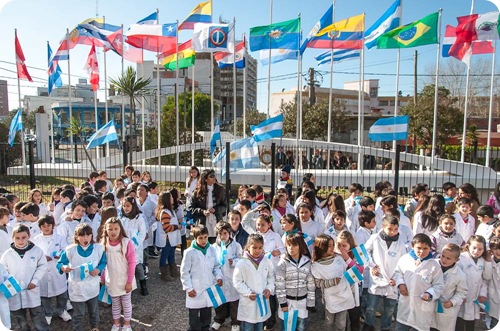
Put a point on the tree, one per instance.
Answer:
(450, 118)
(129, 85)
(312, 127)
(253, 117)
(78, 130)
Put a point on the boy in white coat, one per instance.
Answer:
(419, 279)
(455, 289)
(5, 230)
(494, 282)
(26, 262)
(199, 262)
(228, 253)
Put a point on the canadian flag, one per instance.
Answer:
(22, 71)
(93, 69)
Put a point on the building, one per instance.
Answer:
(4, 99)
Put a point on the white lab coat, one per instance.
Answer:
(26, 270)
(276, 222)
(361, 237)
(53, 283)
(272, 241)
(352, 213)
(234, 252)
(88, 288)
(426, 277)
(477, 276)
(4, 303)
(199, 272)
(494, 290)
(455, 290)
(136, 228)
(5, 239)
(190, 188)
(386, 259)
(148, 212)
(312, 229)
(440, 239)
(248, 280)
(174, 237)
(465, 230)
(339, 297)
(418, 226)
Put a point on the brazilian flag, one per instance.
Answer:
(418, 33)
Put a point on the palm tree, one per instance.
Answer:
(130, 85)
(77, 129)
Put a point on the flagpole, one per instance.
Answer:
(143, 111)
(396, 100)
(234, 78)
(51, 112)
(192, 113)
(269, 68)
(123, 96)
(212, 92)
(106, 115)
(330, 95)
(158, 101)
(69, 99)
(96, 121)
(245, 89)
(23, 148)
(436, 92)
(361, 140)
(361, 101)
(490, 113)
(177, 142)
(298, 115)
(466, 105)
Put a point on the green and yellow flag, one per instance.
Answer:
(185, 57)
(418, 33)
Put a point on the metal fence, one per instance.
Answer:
(334, 165)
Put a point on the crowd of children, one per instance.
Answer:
(261, 264)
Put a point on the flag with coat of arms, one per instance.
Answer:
(360, 254)
(353, 275)
(10, 287)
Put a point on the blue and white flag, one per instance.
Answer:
(84, 270)
(483, 305)
(212, 37)
(338, 56)
(353, 275)
(268, 129)
(308, 239)
(215, 137)
(223, 253)
(290, 320)
(360, 254)
(216, 295)
(10, 287)
(57, 254)
(135, 240)
(262, 303)
(439, 306)
(389, 21)
(104, 135)
(389, 128)
(104, 295)
(244, 154)
(277, 55)
(151, 19)
(54, 71)
(15, 125)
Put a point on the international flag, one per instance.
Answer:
(215, 137)
(226, 59)
(244, 153)
(92, 67)
(418, 33)
(389, 128)
(186, 57)
(202, 13)
(290, 320)
(478, 46)
(213, 37)
(128, 52)
(360, 254)
(10, 287)
(150, 19)
(84, 270)
(99, 32)
(483, 305)
(268, 129)
(104, 295)
(389, 20)
(344, 34)
(104, 135)
(54, 71)
(353, 275)
(15, 125)
(263, 305)
(216, 295)
(22, 71)
(277, 35)
(277, 55)
(153, 37)
(338, 56)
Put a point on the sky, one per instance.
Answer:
(39, 21)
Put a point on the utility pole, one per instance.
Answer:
(312, 90)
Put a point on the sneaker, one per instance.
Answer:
(126, 328)
(65, 316)
(49, 319)
(152, 254)
(116, 328)
(235, 328)
(215, 326)
(146, 272)
(69, 306)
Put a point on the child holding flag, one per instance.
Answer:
(26, 263)
(4, 303)
(83, 261)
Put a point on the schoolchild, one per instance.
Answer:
(308, 225)
(466, 223)
(247, 216)
(67, 197)
(446, 234)
(69, 222)
(5, 230)
(494, 283)
(238, 233)
(36, 196)
(337, 224)
(352, 207)
(486, 217)
(29, 214)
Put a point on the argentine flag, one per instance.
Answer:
(277, 55)
(262, 303)
(389, 128)
(216, 295)
(243, 153)
(104, 295)
(360, 254)
(353, 275)
(84, 270)
(104, 135)
(389, 21)
(215, 137)
(338, 56)
(10, 287)
(15, 125)
(268, 129)
(290, 320)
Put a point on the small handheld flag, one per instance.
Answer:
(216, 295)
(10, 287)
(360, 254)
(440, 308)
(290, 320)
(104, 295)
(223, 253)
(57, 253)
(483, 305)
(262, 303)
(85, 270)
(353, 275)
(135, 240)
(309, 240)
